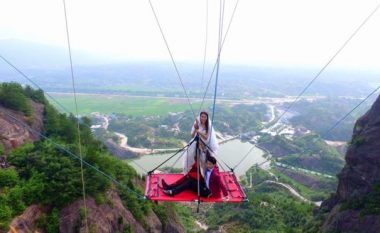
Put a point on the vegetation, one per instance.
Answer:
(270, 209)
(170, 131)
(2, 149)
(368, 205)
(308, 152)
(320, 115)
(40, 169)
(317, 193)
(13, 96)
(123, 104)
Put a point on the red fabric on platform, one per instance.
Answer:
(154, 190)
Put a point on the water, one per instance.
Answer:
(230, 152)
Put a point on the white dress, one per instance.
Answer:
(190, 153)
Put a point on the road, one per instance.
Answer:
(293, 192)
(303, 170)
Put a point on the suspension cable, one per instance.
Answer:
(46, 93)
(178, 151)
(34, 83)
(345, 116)
(329, 61)
(60, 147)
(50, 96)
(221, 19)
(333, 126)
(142, 168)
(327, 64)
(208, 147)
(216, 62)
(172, 58)
(244, 157)
(77, 116)
(205, 49)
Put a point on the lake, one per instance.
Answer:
(230, 152)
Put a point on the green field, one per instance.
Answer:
(129, 105)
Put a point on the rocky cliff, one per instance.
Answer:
(107, 217)
(110, 216)
(13, 133)
(356, 205)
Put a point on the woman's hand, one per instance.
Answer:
(196, 124)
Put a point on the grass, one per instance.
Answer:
(313, 195)
(129, 105)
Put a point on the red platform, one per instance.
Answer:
(154, 191)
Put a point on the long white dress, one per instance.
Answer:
(190, 152)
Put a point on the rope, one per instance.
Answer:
(221, 166)
(246, 155)
(329, 62)
(198, 176)
(151, 171)
(51, 97)
(146, 171)
(345, 116)
(324, 68)
(221, 19)
(332, 127)
(45, 93)
(77, 116)
(172, 58)
(214, 67)
(74, 156)
(213, 152)
(205, 51)
(34, 83)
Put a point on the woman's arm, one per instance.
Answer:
(195, 128)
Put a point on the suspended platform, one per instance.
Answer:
(154, 190)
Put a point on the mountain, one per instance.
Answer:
(355, 207)
(48, 65)
(40, 183)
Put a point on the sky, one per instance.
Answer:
(270, 32)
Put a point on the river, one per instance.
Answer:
(230, 152)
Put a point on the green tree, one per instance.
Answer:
(8, 177)
(5, 214)
(2, 149)
(12, 96)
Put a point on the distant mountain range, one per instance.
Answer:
(49, 67)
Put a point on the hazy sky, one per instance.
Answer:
(266, 32)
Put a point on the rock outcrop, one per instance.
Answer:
(13, 133)
(358, 181)
(26, 223)
(109, 217)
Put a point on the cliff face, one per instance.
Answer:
(359, 180)
(107, 217)
(110, 216)
(13, 133)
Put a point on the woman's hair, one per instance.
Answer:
(204, 112)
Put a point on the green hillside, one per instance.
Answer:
(41, 173)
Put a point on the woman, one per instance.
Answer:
(203, 129)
